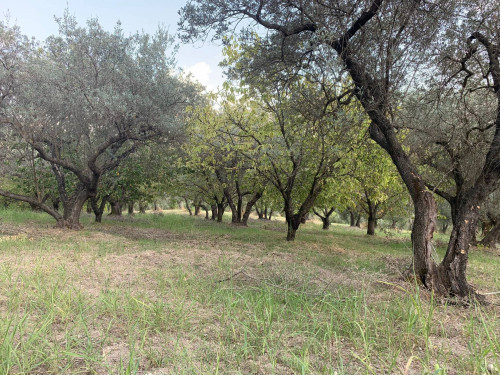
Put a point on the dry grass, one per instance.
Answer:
(172, 294)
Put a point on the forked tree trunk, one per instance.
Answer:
(325, 216)
(98, 209)
(270, 215)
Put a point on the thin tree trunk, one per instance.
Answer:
(187, 206)
(205, 207)
(249, 206)
(130, 208)
(353, 219)
(142, 207)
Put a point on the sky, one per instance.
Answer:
(36, 18)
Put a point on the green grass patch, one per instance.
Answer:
(173, 294)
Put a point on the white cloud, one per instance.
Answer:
(201, 72)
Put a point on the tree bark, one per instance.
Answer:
(214, 211)
(98, 209)
(249, 206)
(370, 228)
(353, 218)
(293, 224)
(142, 207)
(358, 221)
(205, 207)
(73, 207)
(220, 212)
(325, 216)
(491, 237)
(130, 208)
(187, 206)
(116, 208)
(454, 265)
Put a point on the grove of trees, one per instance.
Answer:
(361, 108)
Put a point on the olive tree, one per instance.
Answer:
(387, 47)
(88, 98)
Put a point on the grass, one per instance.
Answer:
(173, 294)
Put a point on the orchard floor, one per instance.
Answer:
(172, 294)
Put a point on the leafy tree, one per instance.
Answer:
(379, 186)
(88, 99)
(300, 132)
(388, 47)
(215, 146)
